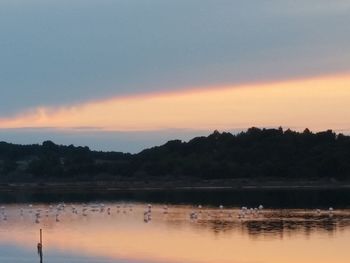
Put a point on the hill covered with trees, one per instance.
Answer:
(254, 154)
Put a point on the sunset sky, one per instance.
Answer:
(128, 74)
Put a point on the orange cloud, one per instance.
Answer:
(317, 103)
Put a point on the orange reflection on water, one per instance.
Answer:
(297, 236)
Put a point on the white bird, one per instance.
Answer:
(147, 216)
(193, 215)
(241, 214)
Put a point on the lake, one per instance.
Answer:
(129, 228)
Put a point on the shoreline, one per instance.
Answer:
(107, 187)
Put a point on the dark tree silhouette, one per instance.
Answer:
(256, 153)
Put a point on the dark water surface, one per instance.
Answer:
(296, 198)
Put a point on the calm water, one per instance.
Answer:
(93, 231)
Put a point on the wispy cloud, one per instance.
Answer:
(316, 103)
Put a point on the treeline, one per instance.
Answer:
(256, 153)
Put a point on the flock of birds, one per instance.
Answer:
(243, 213)
(85, 209)
(59, 209)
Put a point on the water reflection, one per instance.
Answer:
(138, 232)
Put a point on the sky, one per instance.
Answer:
(124, 75)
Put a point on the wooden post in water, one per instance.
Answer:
(40, 246)
(41, 237)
